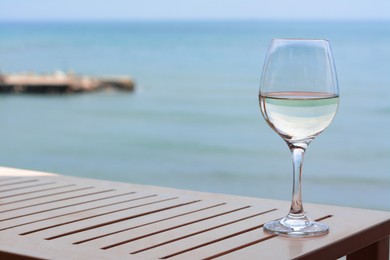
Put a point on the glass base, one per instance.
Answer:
(296, 227)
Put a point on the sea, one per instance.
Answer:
(194, 120)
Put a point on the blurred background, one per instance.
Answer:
(194, 120)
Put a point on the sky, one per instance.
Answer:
(68, 10)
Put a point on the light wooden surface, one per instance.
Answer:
(51, 216)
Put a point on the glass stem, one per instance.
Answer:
(296, 210)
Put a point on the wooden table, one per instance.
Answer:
(51, 216)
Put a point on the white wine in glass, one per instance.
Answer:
(299, 98)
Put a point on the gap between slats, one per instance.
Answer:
(30, 186)
(94, 216)
(46, 195)
(212, 242)
(84, 210)
(66, 206)
(251, 243)
(37, 191)
(18, 182)
(126, 218)
(58, 200)
(146, 224)
(202, 231)
(9, 178)
(167, 229)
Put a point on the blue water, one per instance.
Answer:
(194, 121)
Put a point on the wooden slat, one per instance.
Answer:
(21, 187)
(231, 237)
(34, 191)
(4, 179)
(42, 194)
(31, 190)
(134, 223)
(62, 201)
(342, 223)
(69, 212)
(17, 183)
(54, 228)
(27, 202)
(208, 233)
(166, 225)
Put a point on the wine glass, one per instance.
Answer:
(299, 98)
